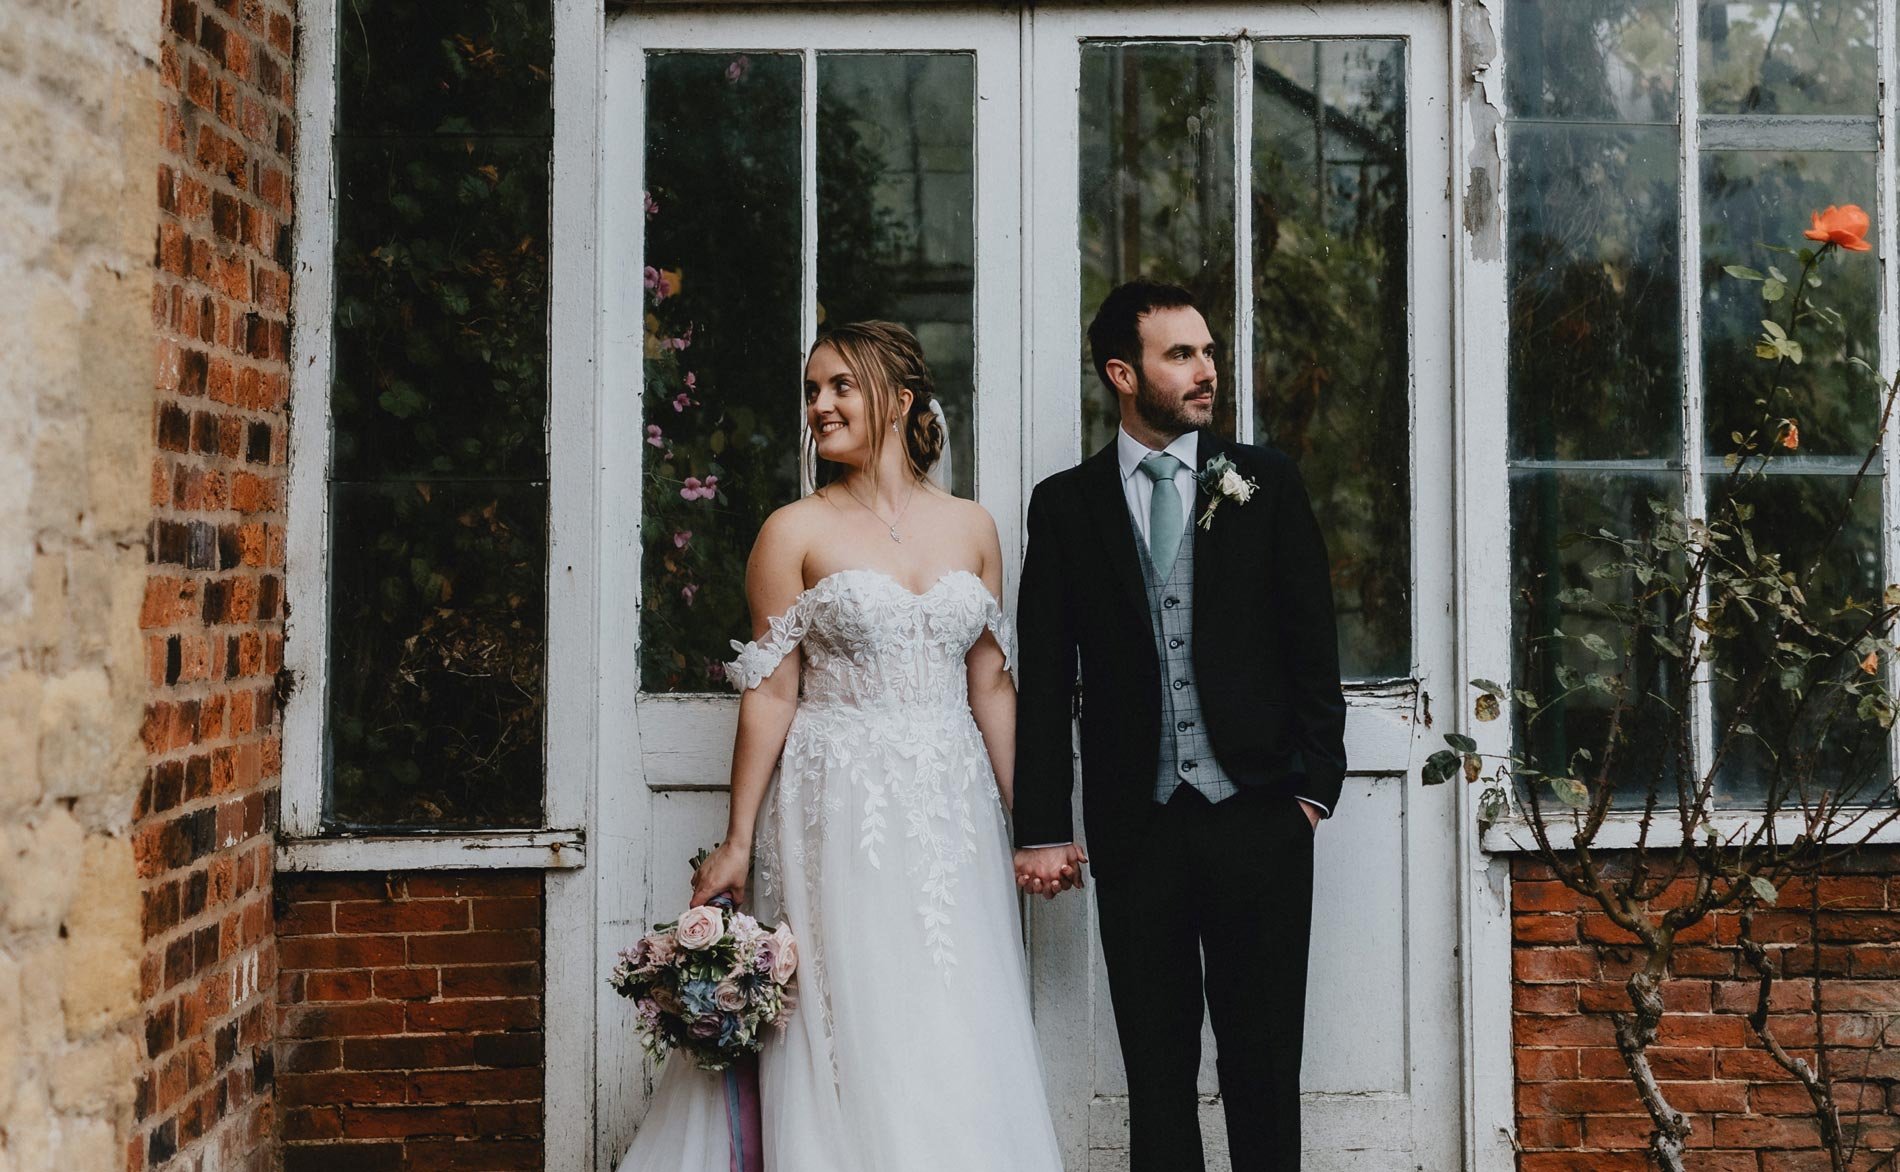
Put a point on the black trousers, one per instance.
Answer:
(1231, 885)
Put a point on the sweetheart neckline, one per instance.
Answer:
(894, 580)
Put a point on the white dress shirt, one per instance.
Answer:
(1138, 490)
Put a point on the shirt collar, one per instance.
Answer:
(1130, 452)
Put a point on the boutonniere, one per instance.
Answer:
(1221, 480)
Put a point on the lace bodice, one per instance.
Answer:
(868, 641)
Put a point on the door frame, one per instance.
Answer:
(592, 164)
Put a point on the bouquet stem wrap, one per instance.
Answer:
(743, 1122)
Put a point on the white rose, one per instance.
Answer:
(1232, 484)
(784, 955)
(700, 928)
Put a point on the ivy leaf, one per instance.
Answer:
(1438, 767)
(1461, 742)
(1742, 271)
(1486, 708)
(1492, 805)
(1764, 890)
(1596, 643)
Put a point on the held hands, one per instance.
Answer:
(725, 869)
(1049, 870)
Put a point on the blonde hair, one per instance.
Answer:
(886, 358)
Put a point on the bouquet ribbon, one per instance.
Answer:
(744, 1126)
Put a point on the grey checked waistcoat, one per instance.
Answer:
(1187, 757)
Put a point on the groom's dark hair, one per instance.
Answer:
(1116, 330)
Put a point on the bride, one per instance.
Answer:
(871, 779)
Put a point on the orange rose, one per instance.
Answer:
(1845, 226)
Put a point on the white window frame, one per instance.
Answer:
(1485, 464)
(560, 841)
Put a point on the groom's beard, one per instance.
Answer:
(1169, 417)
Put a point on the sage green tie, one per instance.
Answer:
(1165, 523)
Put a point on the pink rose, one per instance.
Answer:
(705, 1027)
(700, 928)
(784, 955)
(729, 997)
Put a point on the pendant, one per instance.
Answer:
(894, 536)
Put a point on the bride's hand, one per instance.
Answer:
(726, 869)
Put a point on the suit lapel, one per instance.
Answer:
(1208, 543)
(1108, 509)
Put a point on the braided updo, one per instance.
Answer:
(887, 359)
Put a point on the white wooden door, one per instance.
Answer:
(1161, 136)
(922, 110)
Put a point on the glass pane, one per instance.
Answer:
(896, 213)
(1157, 191)
(1755, 197)
(1603, 60)
(1332, 368)
(1554, 516)
(1787, 56)
(441, 308)
(723, 352)
(1595, 346)
(1824, 745)
(416, 66)
(438, 637)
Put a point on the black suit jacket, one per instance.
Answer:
(1266, 656)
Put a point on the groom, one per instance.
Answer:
(1198, 612)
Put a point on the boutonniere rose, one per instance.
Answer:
(1220, 480)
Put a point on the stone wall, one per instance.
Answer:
(78, 148)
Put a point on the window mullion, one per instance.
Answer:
(1694, 497)
(1887, 170)
(808, 258)
(1243, 353)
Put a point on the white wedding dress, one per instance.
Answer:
(883, 844)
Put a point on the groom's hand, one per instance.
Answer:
(1049, 870)
(1312, 812)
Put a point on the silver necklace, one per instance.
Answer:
(892, 523)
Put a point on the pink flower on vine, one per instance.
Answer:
(679, 343)
(715, 670)
(682, 401)
(687, 591)
(681, 538)
(660, 282)
(738, 67)
(653, 209)
(692, 381)
(696, 489)
(655, 436)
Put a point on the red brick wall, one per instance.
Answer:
(1576, 1110)
(409, 1020)
(212, 615)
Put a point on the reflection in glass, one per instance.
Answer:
(1332, 355)
(1555, 588)
(896, 213)
(723, 350)
(440, 342)
(1604, 60)
(439, 399)
(438, 649)
(1752, 197)
(1595, 345)
(1157, 192)
(1824, 744)
(1787, 56)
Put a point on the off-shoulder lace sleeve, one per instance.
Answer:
(1004, 629)
(761, 657)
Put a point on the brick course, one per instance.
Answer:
(212, 617)
(1576, 1108)
(409, 1020)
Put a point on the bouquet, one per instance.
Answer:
(709, 984)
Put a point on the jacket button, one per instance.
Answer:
(1170, 603)
(1174, 643)
(1187, 766)
(1182, 726)
(1179, 684)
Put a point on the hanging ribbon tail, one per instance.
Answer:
(743, 1122)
